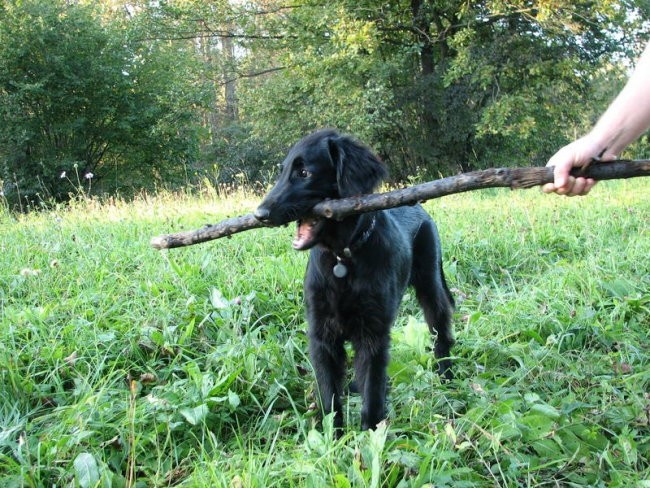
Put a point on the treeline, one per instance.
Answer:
(117, 96)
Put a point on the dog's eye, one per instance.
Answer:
(304, 173)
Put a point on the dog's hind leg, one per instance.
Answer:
(433, 294)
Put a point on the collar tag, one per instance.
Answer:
(340, 270)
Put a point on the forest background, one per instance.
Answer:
(121, 96)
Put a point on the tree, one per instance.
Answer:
(82, 102)
(144, 93)
(442, 86)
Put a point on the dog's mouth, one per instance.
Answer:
(306, 233)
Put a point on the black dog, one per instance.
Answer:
(358, 268)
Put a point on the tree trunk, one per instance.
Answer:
(421, 23)
(230, 94)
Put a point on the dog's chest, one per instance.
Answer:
(363, 302)
(342, 311)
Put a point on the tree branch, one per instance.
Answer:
(239, 76)
(184, 36)
(513, 178)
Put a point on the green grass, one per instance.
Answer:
(124, 366)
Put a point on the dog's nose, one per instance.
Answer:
(262, 214)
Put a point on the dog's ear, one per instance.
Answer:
(358, 169)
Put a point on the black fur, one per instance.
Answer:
(388, 250)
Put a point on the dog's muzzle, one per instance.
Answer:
(262, 214)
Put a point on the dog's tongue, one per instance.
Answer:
(303, 233)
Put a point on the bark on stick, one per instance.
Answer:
(513, 178)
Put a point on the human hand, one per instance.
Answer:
(574, 155)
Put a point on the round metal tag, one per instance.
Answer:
(340, 270)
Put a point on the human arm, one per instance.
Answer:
(627, 118)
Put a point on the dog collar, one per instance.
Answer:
(340, 270)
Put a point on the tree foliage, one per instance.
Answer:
(441, 86)
(142, 93)
(83, 104)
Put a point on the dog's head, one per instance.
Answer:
(323, 165)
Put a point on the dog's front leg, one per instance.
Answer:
(371, 361)
(329, 362)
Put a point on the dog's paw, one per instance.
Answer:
(444, 370)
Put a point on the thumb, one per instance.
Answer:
(561, 175)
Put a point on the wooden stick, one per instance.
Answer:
(513, 178)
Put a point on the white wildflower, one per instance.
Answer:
(29, 272)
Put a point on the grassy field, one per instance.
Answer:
(125, 366)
